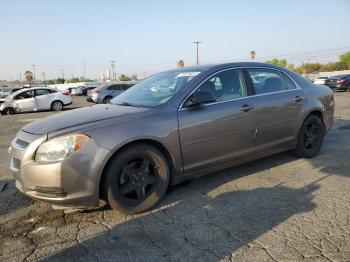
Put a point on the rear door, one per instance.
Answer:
(279, 106)
(220, 131)
(43, 99)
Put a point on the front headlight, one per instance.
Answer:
(59, 148)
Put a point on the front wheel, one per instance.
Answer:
(311, 137)
(136, 179)
(107, 100)
(8, 111)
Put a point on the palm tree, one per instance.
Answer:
(29, 77)
(252, 54)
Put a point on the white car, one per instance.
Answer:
(5, 92)
(321, 80)
(35, 99)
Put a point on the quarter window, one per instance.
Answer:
(226, 85)
(289, 83)
(266, 81)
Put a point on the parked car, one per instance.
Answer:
(86, 89)
(76, 90)
(35, 99)
(321, 80)
(339, 82)
(104, 94)
(5, 92)
(129, 151)
(82, 90)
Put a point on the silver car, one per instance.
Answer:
(209, 118)
(34, 99)
(104, 94)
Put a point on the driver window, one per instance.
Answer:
(226, 85)
(24, 95)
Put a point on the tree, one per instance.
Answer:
(346, 59)
(308, 68)
(28, 75)
(278, 62)
(123, 77)
(252, 54)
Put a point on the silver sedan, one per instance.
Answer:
(171, 127)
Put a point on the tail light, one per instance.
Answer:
(342, 81)
(66, 93)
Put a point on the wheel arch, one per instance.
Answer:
(158, 145)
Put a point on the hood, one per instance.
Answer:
(80, 116)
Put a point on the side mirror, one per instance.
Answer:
(198, 98)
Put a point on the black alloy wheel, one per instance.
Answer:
(311, 137)
(136, 179)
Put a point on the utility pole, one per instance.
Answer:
(112, 65)
(43, 75)
(62, 73)
(84, 71)
(34, 73)
(197, 44)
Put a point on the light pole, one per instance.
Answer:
(112, 65)
(197, 44)
(34, 72)
(84, 71)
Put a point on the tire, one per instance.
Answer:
(57, 106)
(310, 137)
(107, 99)
(136, 179)
(8, 111)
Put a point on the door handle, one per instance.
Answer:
(246, 108)
(298, 99)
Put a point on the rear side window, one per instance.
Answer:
(52, 91)
(113, 87)
(41, 92)
(266, 81)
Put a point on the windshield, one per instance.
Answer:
(155, 90)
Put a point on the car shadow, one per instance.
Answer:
(196, 226)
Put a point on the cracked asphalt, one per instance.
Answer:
(279, 208)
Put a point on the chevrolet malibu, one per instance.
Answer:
(206, 118)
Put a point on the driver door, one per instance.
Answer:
(220, 131)
(25, 102)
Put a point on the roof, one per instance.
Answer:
(233, 64)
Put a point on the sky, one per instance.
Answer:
(144, 37)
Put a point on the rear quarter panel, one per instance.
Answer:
(319, 98)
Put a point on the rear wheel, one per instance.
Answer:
(137, 179)
(311, 137)
(57, 106)
(8, 111)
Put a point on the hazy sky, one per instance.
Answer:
(149, 36)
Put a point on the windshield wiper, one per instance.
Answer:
(130, 104)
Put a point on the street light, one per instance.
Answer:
(197, 44)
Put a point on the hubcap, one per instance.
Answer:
(57, 106)
(311, 135)
(137, 179)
